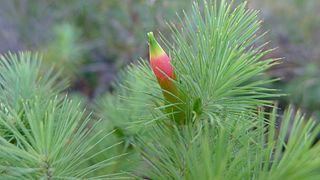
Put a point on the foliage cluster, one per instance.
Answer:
(219, 60)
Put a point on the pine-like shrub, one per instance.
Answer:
(217, 86)
(44, 134)
(195, 111)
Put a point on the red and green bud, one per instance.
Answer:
(160, 61)
(163, 70)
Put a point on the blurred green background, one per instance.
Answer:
(91, 41)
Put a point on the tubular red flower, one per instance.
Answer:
(160, 61)
(163, 70)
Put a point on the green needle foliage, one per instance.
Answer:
(239, 150)
(216, 53)
(43, 134)
(125, 111)
(128, 103)
(22, 79)
(217, 58)
(224, 133)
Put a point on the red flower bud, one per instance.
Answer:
(162, 68)
(160, 61)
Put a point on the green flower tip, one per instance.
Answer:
(154, 47)
(150, 36)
